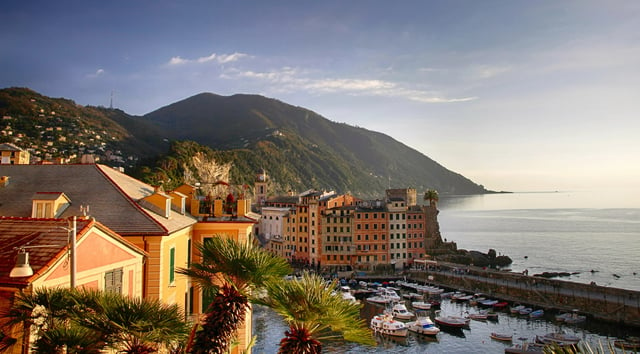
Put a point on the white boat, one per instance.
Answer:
(516, 309)
(380, 299)
(412, 296)
(423, 325)
(421, 305)
(478, 316)
(451, 321)
(400, 312)
(385, 324)
(488, 302)
(525, 311)
(346, 294)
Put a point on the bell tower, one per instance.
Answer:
(260, 188)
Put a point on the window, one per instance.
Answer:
(113, 281)
(172, 265)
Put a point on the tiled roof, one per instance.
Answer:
(137, 190)
(20, 232)
(50, 236)
(9, 147)
(111, 196)
(283, 199)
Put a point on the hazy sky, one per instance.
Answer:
(515, 95)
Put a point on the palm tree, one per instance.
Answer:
(132, 325)
(89, 321)
(432, 196)
(314, 313)
(230, 271)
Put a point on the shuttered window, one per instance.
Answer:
(172, 265)
(113, 280)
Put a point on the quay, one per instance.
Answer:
(614, 305)
(608, 304)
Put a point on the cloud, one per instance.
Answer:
(482, 72)
(292, 80)
(96, 74)
(215, 58)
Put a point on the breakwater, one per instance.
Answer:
(600, 302)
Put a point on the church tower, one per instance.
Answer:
(260, 188)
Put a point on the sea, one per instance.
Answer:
(592, 235)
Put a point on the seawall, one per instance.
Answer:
(609, 304)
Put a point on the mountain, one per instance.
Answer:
(241, 134)
(53, 128)
(301, 149)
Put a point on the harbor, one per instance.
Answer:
(479, 335)
(617, 306)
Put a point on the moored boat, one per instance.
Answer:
(385, 324)
(423, 325)
(628, 344)
(525, 311)
(516, 309)
(421, 305)
(400, 312)
(451, 321)
(571, 317)
(501, 336)
(526, 348)
(536, 313)
(500, 305)
(558, 338)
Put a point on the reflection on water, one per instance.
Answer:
(269, 329)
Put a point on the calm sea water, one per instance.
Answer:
(598, 239)
(572, 232)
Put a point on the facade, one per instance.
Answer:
(397, 208)
(416, 233)
(371, 235)
(332, 232)
(103, 259)
(164, 225)
(151, 219)
(10, 154)
(338, 248)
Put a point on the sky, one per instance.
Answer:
(515, 95)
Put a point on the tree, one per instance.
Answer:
(230, 271)
(314, 313)
(432, 196)
(90, 321)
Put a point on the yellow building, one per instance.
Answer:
(228, 218)
(13, 155)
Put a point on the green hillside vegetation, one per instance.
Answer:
(298, 148)
(301, 149)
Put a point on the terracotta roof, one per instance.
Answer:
(50, 236)
(111, 196)
(20, 232)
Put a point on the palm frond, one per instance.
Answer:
(309, 303)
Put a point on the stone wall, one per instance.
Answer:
(606, 303)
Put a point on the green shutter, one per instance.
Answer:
(172, 265)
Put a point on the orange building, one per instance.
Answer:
(371, 235)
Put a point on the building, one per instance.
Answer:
(10, 154)
(151, 219)
(101, 260)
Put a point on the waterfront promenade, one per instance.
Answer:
(605, 303)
